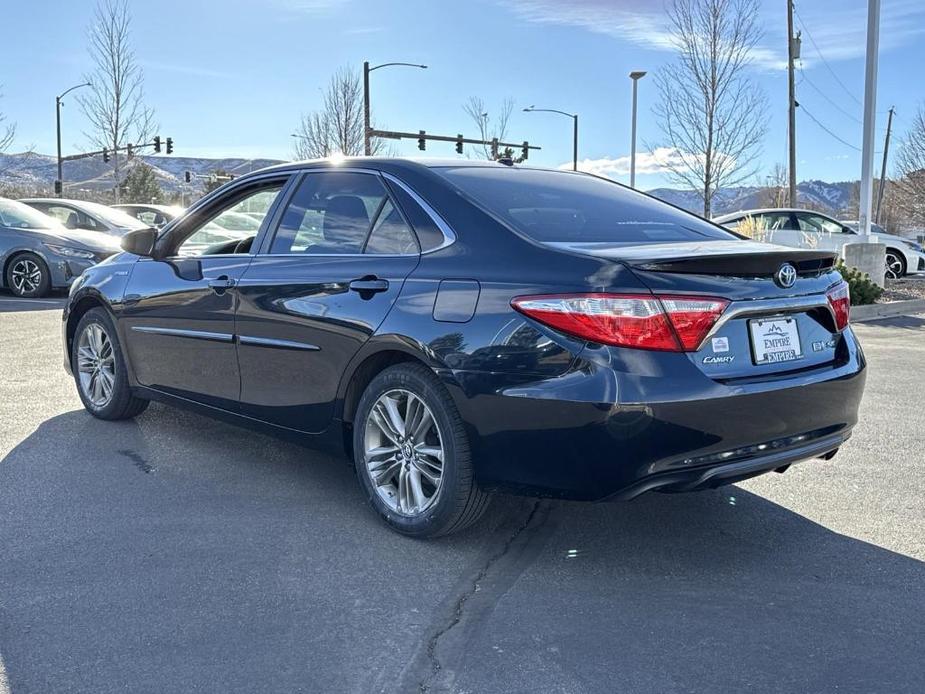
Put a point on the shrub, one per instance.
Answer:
(863, 291)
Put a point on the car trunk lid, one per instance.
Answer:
(773, 324)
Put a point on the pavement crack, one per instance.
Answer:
(460, 605)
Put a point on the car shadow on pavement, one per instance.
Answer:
(14, 304)
(175, 553)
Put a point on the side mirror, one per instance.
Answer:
(140, 242)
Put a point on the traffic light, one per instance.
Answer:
(525, 152)
(187, 176)
(459, 144)
(422, 143)
(105, 155)
(58, 187)
(130, 150)
(169, 143)
(157, 143)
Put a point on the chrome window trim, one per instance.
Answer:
(287, 179)
(449, 236)
(740, 309)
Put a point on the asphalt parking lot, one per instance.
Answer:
(177, 554)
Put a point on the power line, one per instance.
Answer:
(822, 57)
(805, 77)
(816, 121)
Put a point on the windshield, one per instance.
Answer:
(555, 206)
(114, 217)
(17, 215)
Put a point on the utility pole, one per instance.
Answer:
(793, 53)
(886, 149)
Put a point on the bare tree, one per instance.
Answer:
(7, 132)
(338, 127)
(489, 127)
(910, 163)
(712, 116)
(775, 192)
(115, 104)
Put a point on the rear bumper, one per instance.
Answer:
(726, 473)
(599, 433)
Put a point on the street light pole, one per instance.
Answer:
(367, 148)
(636, 75)
(367, 144)
(60, 182)
(574, 117)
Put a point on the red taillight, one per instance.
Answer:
(666, 323)
(840, 300)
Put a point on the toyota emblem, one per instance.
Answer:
(786, 276)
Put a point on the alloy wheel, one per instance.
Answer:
(96, 365)
(894, 266)
(404, 452)
(26, 276)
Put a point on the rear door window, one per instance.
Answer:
(557, 207)
(342, 213)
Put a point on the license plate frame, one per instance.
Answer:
(783, 328)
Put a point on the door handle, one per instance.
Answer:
(369, 284)
(221, 283)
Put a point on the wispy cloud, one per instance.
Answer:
(658, 161)
(642, 22)
(838, 31)
(661, 160)
(842, 34)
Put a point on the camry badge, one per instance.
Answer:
(786, 276)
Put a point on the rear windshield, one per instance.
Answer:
(557, 206)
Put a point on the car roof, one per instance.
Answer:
(390, 164)
(147, 206)
(766, 210)
(63, 201)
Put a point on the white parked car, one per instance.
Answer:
(808, 229)
(88, 216)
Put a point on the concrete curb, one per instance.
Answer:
(859, 314)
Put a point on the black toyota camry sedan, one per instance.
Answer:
(461, 327)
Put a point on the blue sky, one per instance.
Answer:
(231, 78)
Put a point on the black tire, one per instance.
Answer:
(459, 502)
(122, 403)
(33, 288)
(895, 264)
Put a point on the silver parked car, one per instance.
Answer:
(89, 216)
(151, 214)
(38, 254)
(810, 229)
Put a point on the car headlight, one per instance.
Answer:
(69, 252)
(917, 247)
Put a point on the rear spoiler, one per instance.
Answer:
(765, 264)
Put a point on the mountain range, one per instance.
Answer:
(36, 173)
